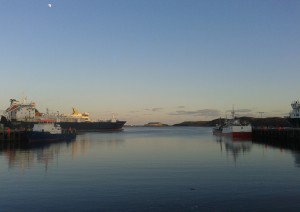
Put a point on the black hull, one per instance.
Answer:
(78, 126)
(34, 137)
(295, 122)
(93, 126)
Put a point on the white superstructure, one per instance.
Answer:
(26, 112)
(76, 116)
(20, 111)
(295, 113)
(47, 127)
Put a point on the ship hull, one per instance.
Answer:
(238, 134)
(238, 131)
(78, 126)
(34, 137)
(93, 126)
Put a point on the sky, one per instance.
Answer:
(152, 60)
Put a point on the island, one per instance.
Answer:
(155, 124)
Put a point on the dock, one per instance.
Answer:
(279, 133)
(283, 138)
(11, 136)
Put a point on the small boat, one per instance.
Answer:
(48, 131)
(217, 130)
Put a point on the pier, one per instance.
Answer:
(11, 135)
(8, 135)
(280, 135)
(283, 138)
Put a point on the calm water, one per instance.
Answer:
(150, 169)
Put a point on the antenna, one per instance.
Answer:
(232, 113)
(261, 113)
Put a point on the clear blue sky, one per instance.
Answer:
(152, 60)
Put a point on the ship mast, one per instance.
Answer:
(113, 119)
(232, 112)
(24, 100)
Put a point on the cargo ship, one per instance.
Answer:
(24, 115)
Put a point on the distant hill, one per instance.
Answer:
(155, 124)
(255, 122)
(193, 123)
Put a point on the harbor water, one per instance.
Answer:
(150, 169)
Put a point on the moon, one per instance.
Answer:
(49, 5)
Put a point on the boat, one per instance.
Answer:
(48, 131)
(294, 115)
(25, 115)
(217, 130)
(233, 128)
(236, 129)
(82, 122)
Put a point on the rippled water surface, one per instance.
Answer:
(150, 169)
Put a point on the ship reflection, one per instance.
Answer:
(25, 156)
(237, 147)
(234, 146)
(296, 155)
(290, 146)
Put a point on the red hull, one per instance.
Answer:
(239, 134)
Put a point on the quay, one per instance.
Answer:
(279, 134)
(11, 135)
(8, 135)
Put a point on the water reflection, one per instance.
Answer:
(238, 147)
(290, 146)
(25, 156)
(143, 169)
(296, 154)
(234, 146)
